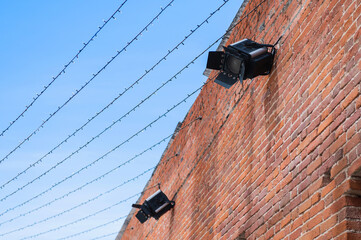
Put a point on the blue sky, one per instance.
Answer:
(37, 39)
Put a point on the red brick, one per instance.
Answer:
(275, 158)
(328, 223)
(338, 167)
(312, 234)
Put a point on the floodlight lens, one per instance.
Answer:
(233, 64)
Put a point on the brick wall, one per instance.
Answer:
(280, 156)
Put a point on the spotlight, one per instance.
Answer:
(241, 60)
(154, 206)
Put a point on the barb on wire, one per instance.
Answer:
(115, 99)
(63, 70)
(86, 84)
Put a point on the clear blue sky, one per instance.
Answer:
(37, 39)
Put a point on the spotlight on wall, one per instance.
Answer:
(241, 60)
(154, 206)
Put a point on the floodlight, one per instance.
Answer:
(241, 60)
(154, 206)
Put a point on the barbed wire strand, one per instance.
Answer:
(230, 29)
(120, 119)
(86, 217)
(115, 99)
(106, 154)
(60, 227)
(85, 44)
(76, 206)
(94, 228)
(94, 180)
(83, 218)
(68, 224)
(105, 235)
(87, 83)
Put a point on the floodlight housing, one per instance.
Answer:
(241, 60)
(154, 206)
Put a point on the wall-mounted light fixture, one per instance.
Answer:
(154, 206)
(241, 60)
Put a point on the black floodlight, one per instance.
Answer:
(154, 206)
(241, 60)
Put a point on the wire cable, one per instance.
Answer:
(86, 217)
(106, 154)
(76, 206)
(120, 119)
(105, 235)
(230, 29)
(86, 84)
(68, 224)
(92, 229)
(94, 180)
(115, 99)
(64, 68)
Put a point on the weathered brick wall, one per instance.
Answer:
(280, 156)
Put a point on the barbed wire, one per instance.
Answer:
(92, 229)
(86, 84)
(64, 68)
(79, 205)
(105, 235)
(80, 219)
(84, 218)
(106, 154)
(230, 29)
(120, 119)
(94, 180)
(115, 99)
(68, 224)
